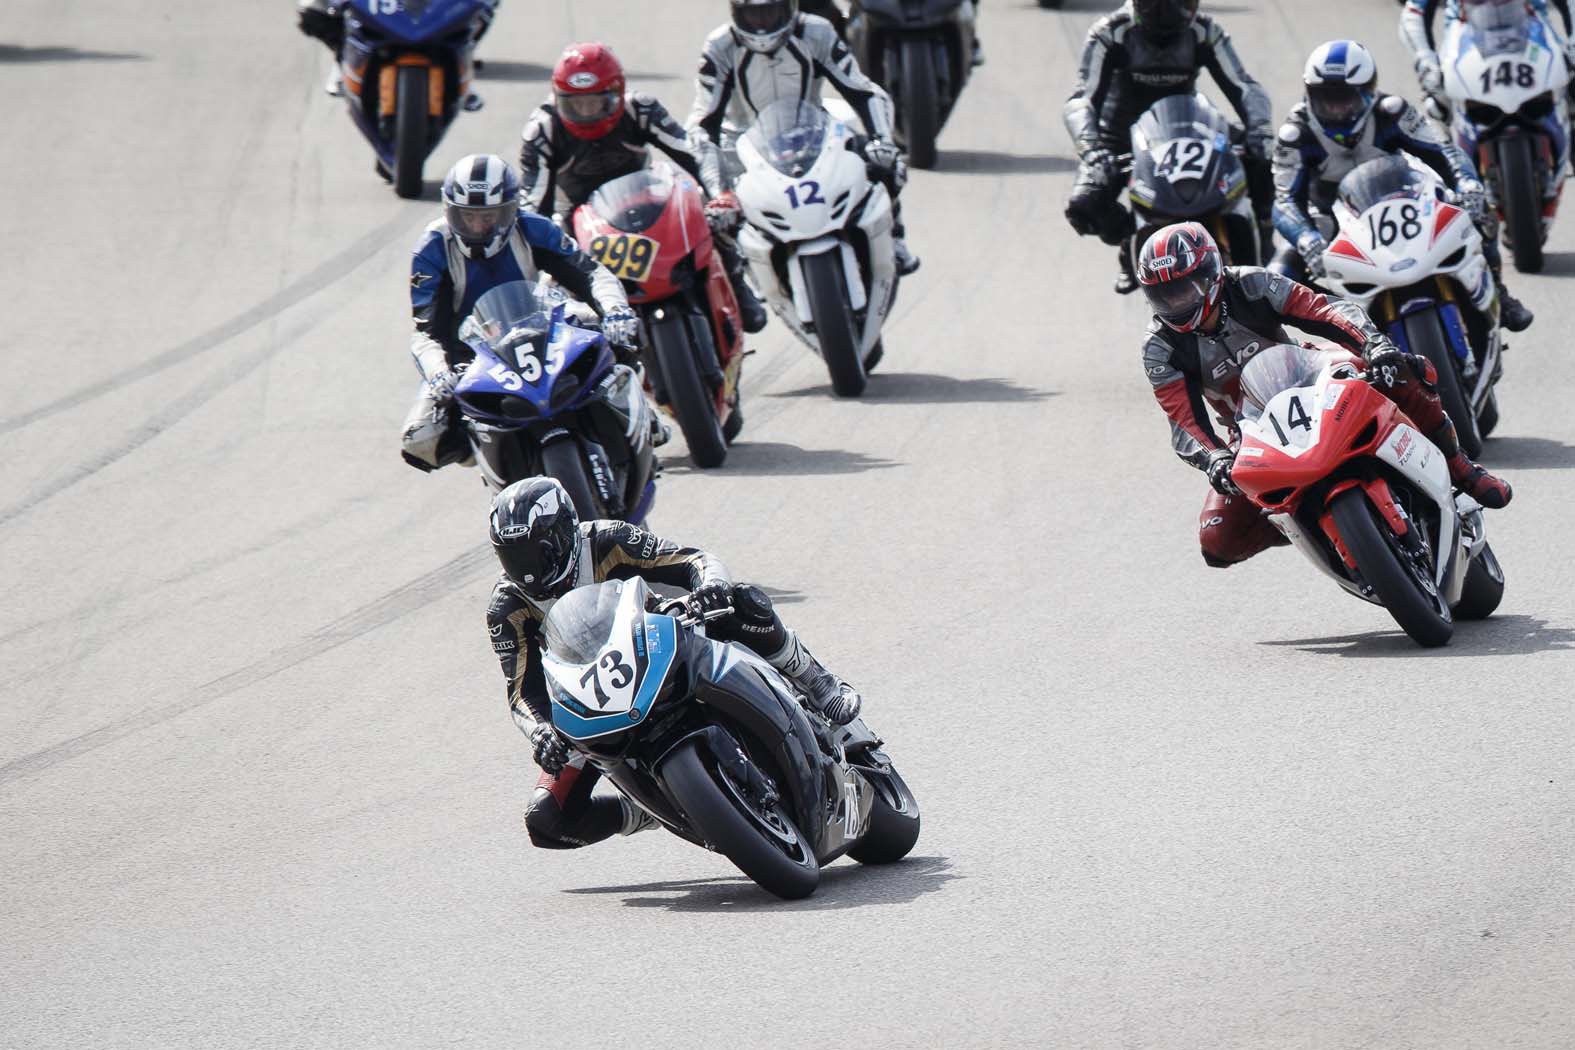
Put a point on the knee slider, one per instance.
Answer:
(753, 606)
(544, 822)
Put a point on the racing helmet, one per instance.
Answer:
(1342, 88)
(762, 25)
(588, 85)
(1181, 274)
(535, 533)
(1164, 18)
(481, 201)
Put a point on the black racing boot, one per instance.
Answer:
(837, 701)
(1126, 276)
(750, 309)
(1513, 314)
(1468, 476)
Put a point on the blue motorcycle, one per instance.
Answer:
(407, 66)
(545, 395)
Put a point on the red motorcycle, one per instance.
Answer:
(1352, 483)
(649, 229)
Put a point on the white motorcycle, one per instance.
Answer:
(819, 236)
(1410, 257)
(1506, 79)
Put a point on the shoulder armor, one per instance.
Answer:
(1393, 105)
(1206, 29)
(1290, 134)
(642, 100)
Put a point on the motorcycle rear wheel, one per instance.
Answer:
(779, 860)
(672, 342)
(921, 104)
(561, 460)
(827, 289)
(410, 130)
(1522, 202)
(1391, 576)
(894, 820)
(1424, 332)
(1483, 588)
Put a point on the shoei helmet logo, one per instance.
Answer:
(477, 187)
(1162, 262)
(1334, 69)
(582, 80)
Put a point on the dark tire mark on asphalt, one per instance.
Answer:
(420, 592)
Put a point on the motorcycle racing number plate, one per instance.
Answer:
(1181, 159)
(1289, 418)
(627, 255)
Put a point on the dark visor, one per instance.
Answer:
(761, 18)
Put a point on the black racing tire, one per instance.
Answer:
(920, 103)
(561, 459)
(672, 342)
(894, 820)
(781, 862)
(1487, 422)
(827, 289)
(410, 130)
(1055, 5)
(1522, 202)
(1424, 332)
(1426, 620)
(1483, 589)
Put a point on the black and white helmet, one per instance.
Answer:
(481, 201)
(762, 25)
(536, 534)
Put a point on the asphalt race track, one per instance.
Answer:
(258, 785)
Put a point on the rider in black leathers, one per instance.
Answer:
(1145, 51)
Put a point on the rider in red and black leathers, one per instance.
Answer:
(1135, 56)
(1194, 371)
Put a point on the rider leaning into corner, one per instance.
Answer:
(1344, 121)
(484, 239)
(545, 552)
(325, 20)
(769, 52)
(1209, 320)
(588, 133)
(1416, 32)
(1145, 51)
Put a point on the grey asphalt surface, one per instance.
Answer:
(258, 786)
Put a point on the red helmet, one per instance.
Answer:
(1181, 273)
(588, 83)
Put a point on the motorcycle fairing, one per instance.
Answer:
(615, 689)
(414, 21)
(491, 374)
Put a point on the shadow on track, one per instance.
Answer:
(1558, 263)
(1529, 453)
(531, 72)
(924, 388)
(18, 53)
(989, 162)
(843, 885)
(780, 459)
(1497, 636)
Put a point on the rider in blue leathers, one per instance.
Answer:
(485, 239)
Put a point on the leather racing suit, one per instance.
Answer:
(445, 283)
(562, 814)
(1192, 372)
(561, 171)
(1125, 70)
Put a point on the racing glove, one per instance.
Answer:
(722, 212)
(1310, 246)
(1473, 198)
(548, 749)
(711, 598)
(621, 327)
(1218, 470)
(1260, 142)
(442, 384)
(1387, 364)
(1101, 164)
(882, 154)
(1431, 76)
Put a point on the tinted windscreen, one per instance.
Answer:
(1379, 180)
(790, 135)
(1275, 369)
(634, 202)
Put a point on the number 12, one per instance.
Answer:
(811, 191)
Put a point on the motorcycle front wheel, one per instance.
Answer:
(1522, 202)
(410, 130)
(763, 843)
(562, 460)
(920, 102)
(827, 289)
(1424, 332)
(672, 344)
(1389, 570)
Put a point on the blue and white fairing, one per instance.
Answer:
(1503, 61)
(413, 21)
(604, 674)
(528, 363)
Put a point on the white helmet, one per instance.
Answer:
(1342, 88)
(762, 25)
(481, 201)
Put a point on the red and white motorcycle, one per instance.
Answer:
(1353, 484)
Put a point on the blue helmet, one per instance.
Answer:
(481, 201)
(1342, 88)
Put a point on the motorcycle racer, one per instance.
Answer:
(589, 133)
(1209, 320)
(1416, 32)
(1344, 121)
(1142, 52)
(769, 52)
(484, 239)
(545, 551)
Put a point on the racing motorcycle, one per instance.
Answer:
(921, 52)
(1185, 166)
(818, 236)
(1411, 258)
(406, 66)
(544, 396)
(649, 229)
(713, 742)
(1348, 479)
(1506, 79)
